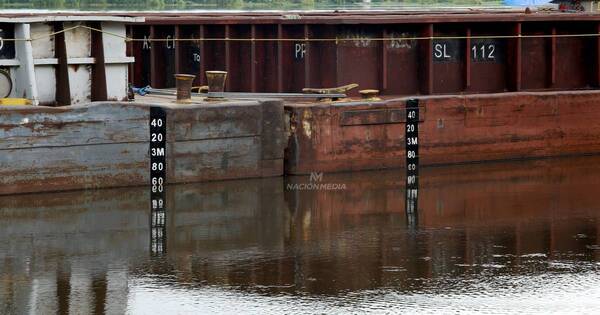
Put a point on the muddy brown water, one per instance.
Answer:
(512, 237)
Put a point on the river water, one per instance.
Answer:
(513, 237)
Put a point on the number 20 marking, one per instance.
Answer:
(157, 137)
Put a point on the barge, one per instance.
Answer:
(396, 52)
(491, 85)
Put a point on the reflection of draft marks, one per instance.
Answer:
(158, 232)
(398, 43)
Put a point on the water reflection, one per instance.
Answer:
(501, 237)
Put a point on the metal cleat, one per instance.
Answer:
(336, 90)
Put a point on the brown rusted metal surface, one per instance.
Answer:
(489, 69)
(63, 90)
(99, 90)
(455, 129)
(536, 57)
(140, 76)
(368, 48)
(570, 71)
(515, 46)
(336, 137)
(359, 58)
(106, 144)
(183, 83)
(216, 81)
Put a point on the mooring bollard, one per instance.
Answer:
(216, 82)
(370, 95)
(184, 82)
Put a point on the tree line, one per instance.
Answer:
(170, 4)
(138, 5)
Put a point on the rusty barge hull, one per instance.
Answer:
(105, 144)
(452, 129)
(398, 53)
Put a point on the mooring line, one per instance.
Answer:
(104, 32)
(41, 37)
(351, 39)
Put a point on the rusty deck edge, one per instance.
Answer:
(490, 96)
(365, 17)
(387, 100)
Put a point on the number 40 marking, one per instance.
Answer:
(156, 122)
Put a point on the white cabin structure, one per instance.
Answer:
(54, 59)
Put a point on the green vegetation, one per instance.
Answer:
(138, 5)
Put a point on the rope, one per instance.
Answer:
(351, 39)
(104, 32)
(336, 39)
(43, 36)
(56, 33)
